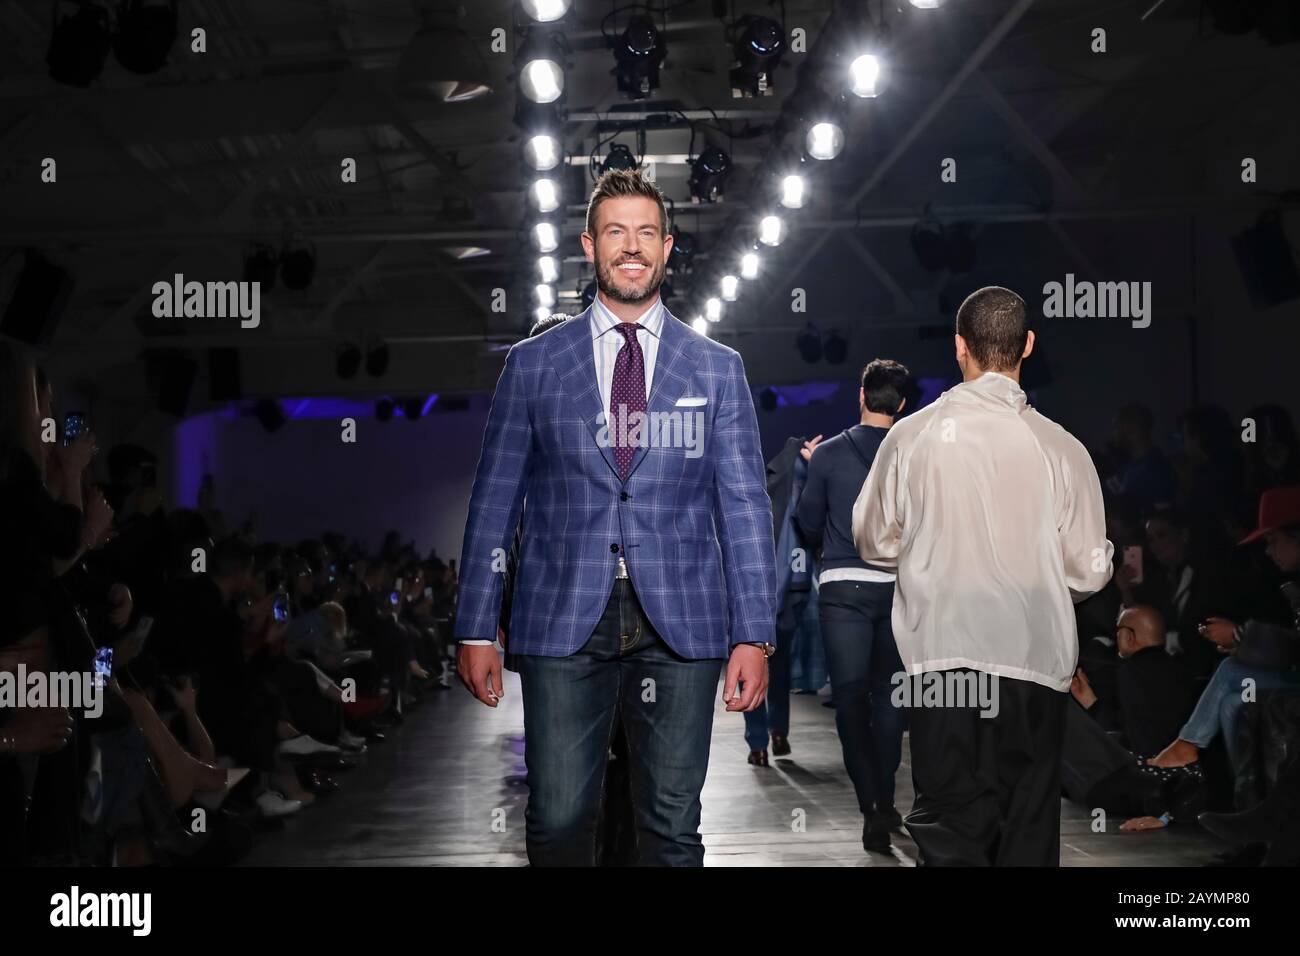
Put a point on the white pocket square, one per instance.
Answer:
(692, 401)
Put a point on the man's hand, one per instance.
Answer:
(1219, 630)
(748, 668)
(40, 730)
(479, 667)
(809, 447)
(1081, 690)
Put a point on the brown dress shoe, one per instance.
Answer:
(780, 745)
(758, 758)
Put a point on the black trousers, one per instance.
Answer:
(988, 788)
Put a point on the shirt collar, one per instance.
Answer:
(994, 385)
(602, 320)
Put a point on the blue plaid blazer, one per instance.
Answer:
(694, 526)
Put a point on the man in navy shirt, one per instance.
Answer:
(856, 599)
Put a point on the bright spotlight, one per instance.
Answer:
(792, 192)
(542, 152)
(548, 268)
(699, 325)
(713, 309)
(545, 11)
(865, 75)
(546, 197)
(926, 4)
(545, 294)
(542, 78)
(749, 265)
(545, 237)
(771, 230)
(825, 140)
(541, 312)
(730, 284)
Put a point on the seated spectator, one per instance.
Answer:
(1143, 473)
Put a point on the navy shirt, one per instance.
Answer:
(836, 475)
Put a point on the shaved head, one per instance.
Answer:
(1139, 627)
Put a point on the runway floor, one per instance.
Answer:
(447, 788)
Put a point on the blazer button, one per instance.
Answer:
(614, 548)
(622, 496)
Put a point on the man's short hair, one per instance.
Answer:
(618, 183)
(884, 383)
(550, 321)
(992, 321)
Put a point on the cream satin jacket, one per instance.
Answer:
(993, 516)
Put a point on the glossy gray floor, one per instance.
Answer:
(447, 789)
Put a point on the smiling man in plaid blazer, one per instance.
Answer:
(630, 445)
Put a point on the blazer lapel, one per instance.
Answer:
(573, 358)
(674, 364)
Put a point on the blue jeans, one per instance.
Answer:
(863, 659)
(570, 704)
(1219, 708)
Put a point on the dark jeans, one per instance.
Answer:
(624, 671)
(863, 659)
(988, 789)
(773, 715)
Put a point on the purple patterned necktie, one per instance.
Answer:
(626, 395)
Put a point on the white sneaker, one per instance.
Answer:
(304, 745)
(272, 803)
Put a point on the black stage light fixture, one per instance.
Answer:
(384, 409)
(683, 251)
(261, 263)
(929, 244)
(442, 62)
(835, 348)
(639, 52)
(809, 344)
(79, 45)
(377, 359)
(620, 157)
(758, 50)
(348, 361)
(297, 264)
(145, 34)
(708, 174)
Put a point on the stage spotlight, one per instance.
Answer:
(542, 77)
(809, 344)
(708, 173)
(545, 195)
(866, 76)
(548, 267)
(835, 348)
(79, 45)
(384, 409)
(261, 263)
(758, 50)
(929, 244)
(545, 237)
(771, 230)
(926, 4)
(542, 152)
(792, 192)
(825, 140)
(749, 265)
(348, 361)
(730, 286)
(297, 264)
(699, 325)
(683, 251)
(713, 309)
(145, 34)
(639, 54)
(377, 360)
(442, 62)
(540, 313)
(546, 11)
(545, 294)
(620, 157)
(589, 294)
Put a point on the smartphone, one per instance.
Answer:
(1133, 560)
(74, 424)
(428, 592)
(392, 598)
(280, 607)
(103, 665)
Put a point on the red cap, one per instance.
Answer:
(1278, 508)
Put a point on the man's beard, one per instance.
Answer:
(606, 282)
